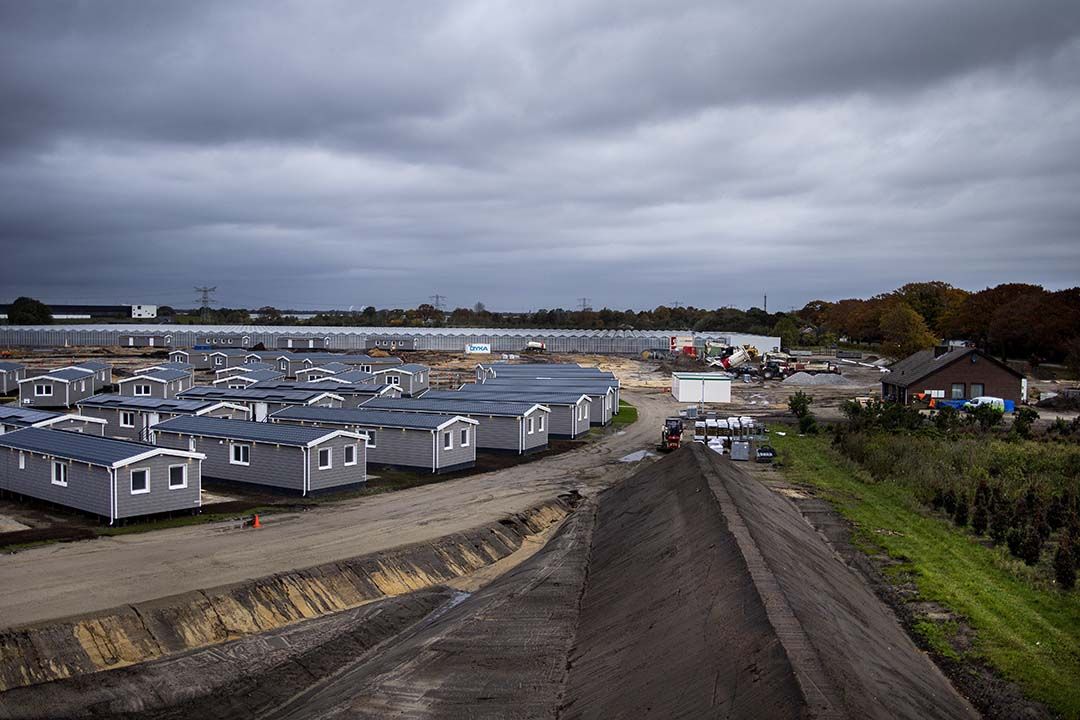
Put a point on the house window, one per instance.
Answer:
(82, 386)
(284, 365)
(957, 391)
(22, 461)
(142, 389)
(530, 426)
(448, 441)
(540, 423)
(326, 458)
(978, 389)
(140, 481)
(59, 473)
(393, 379)
(241, 455)
(350, 454)
(177, 477)
(127, 419)
(370, 438)
(219, 361)
(43, 391)
(464, 437)
(365, 368)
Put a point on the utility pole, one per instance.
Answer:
(204, 301)
(584, 303)
(437, 300)
(676, 304)
(766, 308)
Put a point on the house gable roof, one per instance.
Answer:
(917, 366)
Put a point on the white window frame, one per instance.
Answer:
(44, 386)
(131, 481)
(372, 439)
(448, 440)
(218, 360)
(329, 458)
(183, 485)
(232, 454)
(532, 428)
(540, 423)
(464, 437)
(143, 390)
(60, 478)
(346, 450)
(124, 414)
(393, 380)
(22, 460)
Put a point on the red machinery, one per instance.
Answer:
(671, 434)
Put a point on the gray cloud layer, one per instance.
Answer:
(336, 153)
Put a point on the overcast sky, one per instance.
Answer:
(528, 154)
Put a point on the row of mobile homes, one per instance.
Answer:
(247, 367)
(10, 375)
(352, 395)
(262, 402)
(240, 381)
(185, 367)
(114, 479)
(569, 412)
(165, 384)
(427, 441)
(286, 457)
(130, 418)
(603, 396)
(520, 427)
(57, 388)
(320, 371)
(413, 379)
(366, 363)
(14, 418)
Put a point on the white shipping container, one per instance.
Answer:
(701, 387)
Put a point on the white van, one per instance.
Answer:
(994, 402)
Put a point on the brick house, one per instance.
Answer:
(952, 373)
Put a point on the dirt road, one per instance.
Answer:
(69, 579)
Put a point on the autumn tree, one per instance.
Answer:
(904, 331)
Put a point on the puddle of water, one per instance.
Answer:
(636, 456)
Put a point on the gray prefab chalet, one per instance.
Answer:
(57, 388)
(604, 397)
(14, 418)
(131, 418)
(569, 412)
(198, 359)
(248, 379)
(287, 362)
(539, 370)
(520, 427)
(321, 371)
(354, 377)
(227, 358)
(165, 384)
(262, 402)
(103, 377)
(366, 363)
(305, 342)
(410, 377)
(351, 395)
(431, 442)
(183, 366)
(276, 455)
(10, 375)
(114, 479)
(146, 340)
(247, 367)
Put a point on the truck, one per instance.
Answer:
(729, 357)
(535, 347)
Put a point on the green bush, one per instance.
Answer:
(1065, 563)
(808, 425)
(960, 517)
(799, 404)
(980, 518)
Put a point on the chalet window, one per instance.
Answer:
(142, 389)
(59, 473)
(448, 441)
(370, 438)
(219, 361)
(531, 426)
(350, 454)
(393, 379)
(127, 418)
(240, 455)
(540, 423)
(22, 461)
(326, 458)
(43, 391)
(957, 391)
(140, 481)
(177, 477)
(464, 437)
(978, 389)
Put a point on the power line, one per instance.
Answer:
(437, 300)
(584, 303)
(205, 300)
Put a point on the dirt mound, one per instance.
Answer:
(821, 379)
(1061, 401)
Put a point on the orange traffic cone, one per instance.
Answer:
(255, 523)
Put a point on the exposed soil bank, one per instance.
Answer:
(150, 630)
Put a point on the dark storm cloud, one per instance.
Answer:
(318, 153)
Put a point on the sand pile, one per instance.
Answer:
(823, 379)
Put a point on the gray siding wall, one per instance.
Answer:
(86, 428)
(538, 438)
(64, 394)
(227, 361)
(563, 423)
(279, 467)
(199, 360)
(9, 380)
(87, 489)
(497, 433)
(409, 384)
(112, 416)
(160, 498)
(339, 474)
(165, 391)
(393, 446)
(459, 455)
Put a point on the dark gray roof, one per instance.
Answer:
(226, 351)
(325, 386)
(575, 387)
(318, 358)
(464, 406)
(334, 367)
(540, 397)
(186, 367)
(160, 375)
(250, 367)
(276, 433)
(253, 393)
(15, 415)
(9, 366)
(917, 366)
(406, 367)
(273, 354)
(91, 449)
(66, 374)
(357, 377)
(258, 375)
(363, 416)
(127, 402)
(93, 365)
